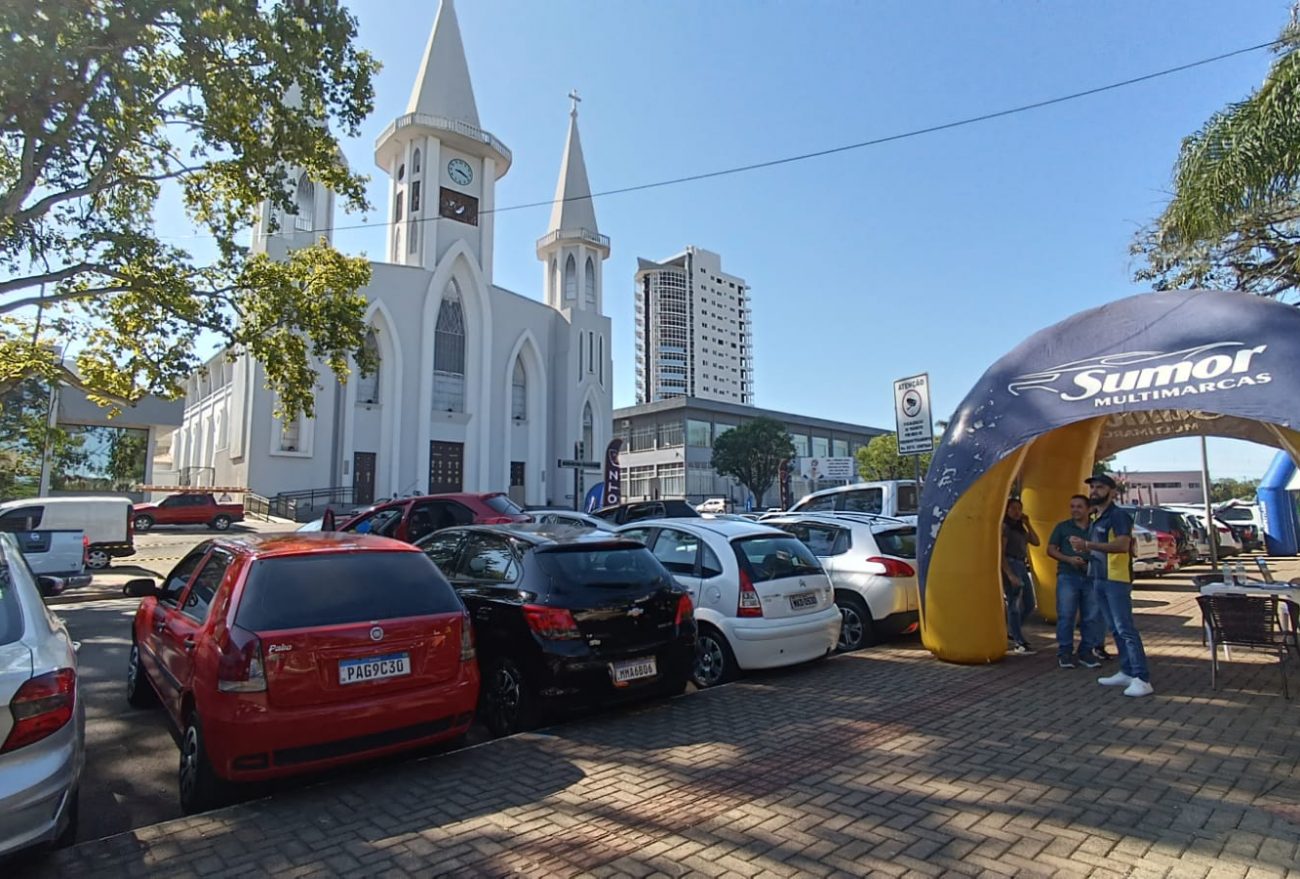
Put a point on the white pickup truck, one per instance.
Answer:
(59, 556)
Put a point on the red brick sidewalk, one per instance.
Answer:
(882, 762)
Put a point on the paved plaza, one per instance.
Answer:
(883, 762)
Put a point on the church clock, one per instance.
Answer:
(460, 172)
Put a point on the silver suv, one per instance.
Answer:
(871, 561)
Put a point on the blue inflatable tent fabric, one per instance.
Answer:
(1277, 508)
(1140, 369)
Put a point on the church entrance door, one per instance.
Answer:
(446, 467)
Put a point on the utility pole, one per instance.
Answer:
(1212, 530)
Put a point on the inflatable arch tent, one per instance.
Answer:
(1150, 367)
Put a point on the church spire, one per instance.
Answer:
(573, 209)
(442, 87)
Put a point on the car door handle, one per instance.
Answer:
(189, 645)
(159, 626)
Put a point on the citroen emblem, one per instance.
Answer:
(376, 634)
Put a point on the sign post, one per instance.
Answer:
(915, 428)
(577, 465)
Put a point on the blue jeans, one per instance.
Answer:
(1076, 598)
(1105, 620)
(1117, 598)
(1015, 596)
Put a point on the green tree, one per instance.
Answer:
(1228, 489)
(879, 459)
(1103, 466)
(1234, 219)
(107, 104)
(753, 453)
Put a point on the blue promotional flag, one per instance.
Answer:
(592, 502)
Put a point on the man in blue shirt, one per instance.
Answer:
(1111, 569)
(1075, 594)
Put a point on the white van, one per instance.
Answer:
(896, 498)
(106, 522)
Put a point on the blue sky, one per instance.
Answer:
(933, 254)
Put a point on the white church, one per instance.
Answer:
(478, 388)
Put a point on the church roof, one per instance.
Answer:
(573, 209)
(442, 87)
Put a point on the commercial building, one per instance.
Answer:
(668, 448)
(694, 335)
(1157, 487)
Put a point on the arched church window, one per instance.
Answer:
(305, 204)
(519, 392)
(401, 173)
(368, 385)
(591, 282)
(588, 431)
(449, 354)
(415, 162)
(555, 277)
(570, 278)
(415, 182)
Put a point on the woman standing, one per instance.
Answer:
(1017, 536)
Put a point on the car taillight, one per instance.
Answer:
(749, 604)
(891, 567)
(239, 665)
(497, 520)
(685, 610)
(85, 550)
(41, 707)
(554, 623)
(466, 638)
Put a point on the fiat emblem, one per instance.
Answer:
(376, 634)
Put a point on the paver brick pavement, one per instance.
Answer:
(884, 762)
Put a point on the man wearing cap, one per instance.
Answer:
(1112, 572)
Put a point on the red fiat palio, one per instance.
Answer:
(282, 654)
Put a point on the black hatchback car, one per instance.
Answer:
(565, 616)
(623, 514)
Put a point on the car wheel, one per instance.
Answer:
(143, 523)
(221, 523)
(714, 662)
(200, 788)
(139, 692)
(507, 704)
(98, 559)
(856, 630)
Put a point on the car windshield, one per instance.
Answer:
(606, 567)
(331, 589)
(899, 542)
(500, 503)
(775, 558)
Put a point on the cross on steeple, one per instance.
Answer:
(573, 96)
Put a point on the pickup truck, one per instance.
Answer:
(187, 508)
(57, 555)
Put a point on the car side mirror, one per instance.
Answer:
(50, 586)
(141, 588)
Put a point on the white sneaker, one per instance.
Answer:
(1118, 679)
(1139, 687)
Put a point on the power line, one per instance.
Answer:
(863, 144)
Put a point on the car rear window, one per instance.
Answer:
(331, 589)
(500, 503)
(775, 558)
(907, 500)
(1235, 514)
(11, 612)
(899, 542)
(605, 567)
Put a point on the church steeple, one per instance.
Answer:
(573, 209)
(573, 248)
(442, 87)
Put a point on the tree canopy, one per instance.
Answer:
(753, 454)
(879, 460)
(1234, 219)
(108, 106)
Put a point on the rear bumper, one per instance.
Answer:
(248, 740)
(587, 678)
(763, 643)
(38, 785)
(898, 623)
(116, 550)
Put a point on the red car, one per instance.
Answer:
(281, 654)
(409, 519)
(187, 508)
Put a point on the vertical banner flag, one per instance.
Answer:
(613, 475)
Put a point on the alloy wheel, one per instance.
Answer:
(189, 774)
(505, 697)
(97, 559)
(852, 629)
(133, 671)
(710, 661)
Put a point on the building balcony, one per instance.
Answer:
(585, 236)
(454, 131)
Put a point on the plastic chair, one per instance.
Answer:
(1251, 621)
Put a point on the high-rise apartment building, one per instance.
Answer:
(694, 331)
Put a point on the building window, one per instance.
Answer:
(720, 429)
(368, 385)
(305, 204)
(821, 447)
(570, 278)
(671, 435)
(590, 282)
(398, 208)
(699, 478)
(642, 438)
(591, 352)
(840, 448)
(588, 432)
(600, 362)
(672, 480)
(555, 277)
(449, 355)
(1166, 485)
(415, 196)
(519, 392)
(290, 435)
(698, 434)
(415, 162)
(800, 441)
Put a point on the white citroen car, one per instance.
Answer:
(761, 597)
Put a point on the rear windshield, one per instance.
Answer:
(502, 504)
(899, 542)
(11, 612)
(611, 567)
(775, 558)
(907, 499)
(298, 592)
(1236, 514)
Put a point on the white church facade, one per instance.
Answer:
(478, 388)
